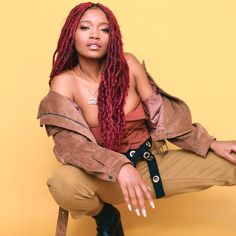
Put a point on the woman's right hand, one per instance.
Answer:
(134, 189)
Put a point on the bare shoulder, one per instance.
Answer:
(135, 66)
(131, 59)
(63, 84)
(143, 85)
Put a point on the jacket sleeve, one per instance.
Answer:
(170, 118)
(197, 140)
(75, 149)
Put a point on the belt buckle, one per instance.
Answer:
(163, 150)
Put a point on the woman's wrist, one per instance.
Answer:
(213, 144)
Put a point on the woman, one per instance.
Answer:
(109, 121)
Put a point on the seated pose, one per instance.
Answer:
(109, 121)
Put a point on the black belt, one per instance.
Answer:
(143, 152)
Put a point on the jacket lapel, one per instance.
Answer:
(58, 110)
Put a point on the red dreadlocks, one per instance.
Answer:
(114, 78)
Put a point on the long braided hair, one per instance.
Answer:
(114, 83)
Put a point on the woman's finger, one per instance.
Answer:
(133, 199)
(230, 157)
(147, 191)
(233, 148)
(139, 194)
(126, 197)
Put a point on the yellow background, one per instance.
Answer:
(189, 48)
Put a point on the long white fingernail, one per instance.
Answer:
(137, 212)
(144, 212)
(152, 205)
(129, 207)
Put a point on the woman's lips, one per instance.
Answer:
(94, 46)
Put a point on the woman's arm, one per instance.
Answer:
(134, 188)
(75, 149)
(142, 83)
(132, 185)
(72, 138)
(225, 149)
(145, 90)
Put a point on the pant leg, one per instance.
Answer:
(79, 192)
(183, 171)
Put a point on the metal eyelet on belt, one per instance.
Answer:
(148, 144)
(150, 158)
(132, 153)
(155, 178)
(146, 155)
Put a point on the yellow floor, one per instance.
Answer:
(211, 212)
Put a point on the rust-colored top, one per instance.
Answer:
(136, 130)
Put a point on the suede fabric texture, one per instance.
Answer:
(169, 118)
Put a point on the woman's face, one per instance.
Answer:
(92, 34)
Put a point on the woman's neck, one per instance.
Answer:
(91, 68)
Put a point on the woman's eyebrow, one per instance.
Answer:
(100, 23)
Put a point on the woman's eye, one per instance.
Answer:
(84, 27)
(105, 30)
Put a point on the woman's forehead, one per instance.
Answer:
(94, 15)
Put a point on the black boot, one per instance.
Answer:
(108, 221)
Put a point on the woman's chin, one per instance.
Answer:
(93, 55)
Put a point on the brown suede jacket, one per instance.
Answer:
(169, 119)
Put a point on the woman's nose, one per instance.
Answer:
(94, 35)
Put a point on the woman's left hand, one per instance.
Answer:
(224, 149)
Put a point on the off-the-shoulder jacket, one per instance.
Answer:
(169, 119)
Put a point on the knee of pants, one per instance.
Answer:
(71, 188)
(224, 169)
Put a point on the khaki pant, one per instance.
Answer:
(181, 171)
